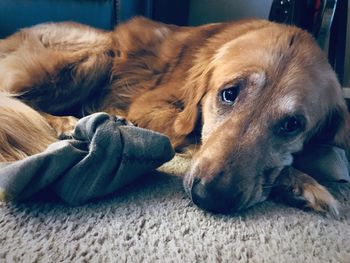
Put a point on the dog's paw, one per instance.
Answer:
(316, 197)
(301, 190)
(122, 121)
(64, 126)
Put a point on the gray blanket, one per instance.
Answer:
(103, 155)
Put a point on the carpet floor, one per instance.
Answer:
(153, 220)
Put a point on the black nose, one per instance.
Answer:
(208, 198)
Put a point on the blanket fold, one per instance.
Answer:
(103, 155)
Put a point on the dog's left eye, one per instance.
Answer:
(229, 95)
(291, 125)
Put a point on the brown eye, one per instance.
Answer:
(229, 95)
(291, 125)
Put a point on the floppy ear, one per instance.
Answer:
(342, 135)
(193, 93)
(326, 155)
(335, 129)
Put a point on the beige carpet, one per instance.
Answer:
(154, 221)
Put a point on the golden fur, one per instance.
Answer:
(172, 80)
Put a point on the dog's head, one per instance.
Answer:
(264, 94)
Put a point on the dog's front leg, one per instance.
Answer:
(63, 125)
(301, 190)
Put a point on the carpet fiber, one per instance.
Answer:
(154, 221)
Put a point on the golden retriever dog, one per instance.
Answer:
(250, 94)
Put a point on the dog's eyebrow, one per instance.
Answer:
(288, 103)
(257, 78)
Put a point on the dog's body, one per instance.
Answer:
(255, 93)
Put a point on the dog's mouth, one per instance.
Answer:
(236, 197)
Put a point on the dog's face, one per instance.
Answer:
(269, 92)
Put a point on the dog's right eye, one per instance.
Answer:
(229, 95)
